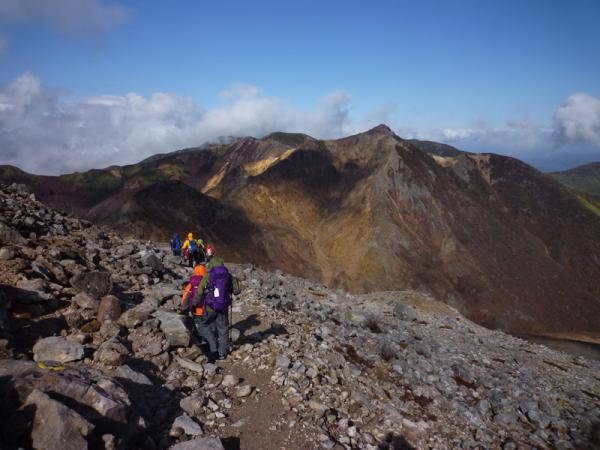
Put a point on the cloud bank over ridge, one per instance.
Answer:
(42, 131)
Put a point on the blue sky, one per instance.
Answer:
(112, 82)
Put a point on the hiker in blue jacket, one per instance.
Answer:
(176, 245)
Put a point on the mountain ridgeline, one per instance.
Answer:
(508, 246)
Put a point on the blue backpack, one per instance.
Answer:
(193, 247)
(218, 295)
(176, 243)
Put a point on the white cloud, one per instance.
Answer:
(573, 134)
(578, 119)
(64, 15)
(42, 132)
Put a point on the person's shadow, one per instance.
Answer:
(251, 321)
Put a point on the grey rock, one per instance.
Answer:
(193, 404)
(174, 327)
(6, 253)
(124, 371)
(111, 353)
(55, 426)
(150, 260)
(282, 362)
(10, 236)
(230, 380)
(57, 349)
(190, 365)
(188, 425)
(244, 391)
(86, 301)
(96, 283)
(136, 315)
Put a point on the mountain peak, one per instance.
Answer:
(381, 129)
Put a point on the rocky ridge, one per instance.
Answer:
(94, 355)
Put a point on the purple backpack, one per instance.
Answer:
(187, 301)
(218, 295)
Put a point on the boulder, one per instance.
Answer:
(136, 315)
(109, 309)
(174, 327)
(6, 253)
(151, 261)
(193, 405)
(57, 349)
(93, 394)
(96, 283)
(10, 236)
(111, 353)
(199, 443)
(86, 301)
(187, 424)
(55, 426)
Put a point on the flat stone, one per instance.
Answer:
(190, 365)
(124, 371)
(57, 349)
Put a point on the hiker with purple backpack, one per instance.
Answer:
(216, 288)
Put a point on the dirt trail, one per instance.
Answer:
(261, 422)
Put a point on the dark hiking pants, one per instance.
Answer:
(214, 327)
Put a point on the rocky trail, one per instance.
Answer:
(93, 355)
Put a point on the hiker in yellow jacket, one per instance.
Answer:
(191, 250)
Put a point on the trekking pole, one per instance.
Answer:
(230, 323)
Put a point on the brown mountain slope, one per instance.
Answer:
(505, 244)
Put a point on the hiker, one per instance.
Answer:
(201, 251)
(176, 245)
(216, 288)
(190, 247)
(190, 302)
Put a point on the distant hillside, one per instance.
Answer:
(436, 148)
(507, 245)
(584, 178)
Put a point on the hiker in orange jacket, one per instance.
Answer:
(190, 302)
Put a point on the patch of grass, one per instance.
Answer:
(387, 352)
(590, 204)
(372, 323)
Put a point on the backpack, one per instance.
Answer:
(236, 287)
(176, 244)
(190, 294)
(193, 247)
(218, 295)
